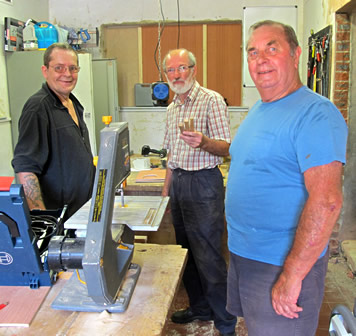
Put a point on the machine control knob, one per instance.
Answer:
(107, 120)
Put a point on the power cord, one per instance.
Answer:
(178, 38)
(44, 227)
(158, 45)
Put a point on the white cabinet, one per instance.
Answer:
(96, 89)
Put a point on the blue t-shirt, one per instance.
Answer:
(274, 146)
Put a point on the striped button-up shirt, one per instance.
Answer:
(211, 118)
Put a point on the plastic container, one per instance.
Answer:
(46, 34)
(29, 38)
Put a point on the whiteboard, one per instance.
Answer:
(283, 14)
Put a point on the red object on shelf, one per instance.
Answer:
(5, 182)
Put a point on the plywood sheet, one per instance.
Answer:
(22, 304)
(136, 62)
(224, 42)
(190, 37)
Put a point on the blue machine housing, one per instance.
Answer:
(20, 262)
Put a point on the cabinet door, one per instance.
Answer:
(224, 58)
(84, 92)
(105, 89)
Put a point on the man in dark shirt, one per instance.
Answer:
(53, 159)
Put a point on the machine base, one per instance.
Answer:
(74, 295)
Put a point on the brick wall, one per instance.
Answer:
(341, 86)
(342, 63)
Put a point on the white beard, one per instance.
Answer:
(181, 89)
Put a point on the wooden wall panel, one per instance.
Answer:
(135, 55)
(191, 38)
(122, 43)
(224, 43)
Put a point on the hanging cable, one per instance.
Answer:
(178, 24)
(158, 46)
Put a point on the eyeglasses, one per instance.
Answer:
(181, 69)
(63, 68)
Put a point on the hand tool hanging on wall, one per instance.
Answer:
(324, 47)
(318, 61)
(318, 68)
(314, 66)
(84, 35)
(310, 65)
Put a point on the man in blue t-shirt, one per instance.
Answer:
(284, 192)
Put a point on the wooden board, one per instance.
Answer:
(22, 304)
(218, 52)
(191, 38)
(151, 176)
(162, 267)
(224, 60)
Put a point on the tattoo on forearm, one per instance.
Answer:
(32, 190)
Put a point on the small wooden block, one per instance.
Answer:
(191, 124)
(181, 127)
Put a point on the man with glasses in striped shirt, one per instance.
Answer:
(197, 136)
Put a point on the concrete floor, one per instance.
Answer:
(340, 288)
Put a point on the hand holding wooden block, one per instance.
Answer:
(181, 127)
(188, 125)
(191, 124)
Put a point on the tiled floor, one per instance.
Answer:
(340, 289)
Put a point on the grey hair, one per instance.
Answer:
(289, 33)
(191, 58)
(63, 46)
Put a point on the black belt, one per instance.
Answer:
(183, 171)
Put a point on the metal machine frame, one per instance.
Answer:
(104, 277)
(105, 259)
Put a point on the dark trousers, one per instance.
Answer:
(250, 285)
(197, 205)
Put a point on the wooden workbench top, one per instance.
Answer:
(162, 269)
(155, 188)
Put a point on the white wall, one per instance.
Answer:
(22, 10)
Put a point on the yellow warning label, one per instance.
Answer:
(99, 197)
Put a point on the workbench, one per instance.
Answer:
(165, 233)
(162, 269)
(155, 189)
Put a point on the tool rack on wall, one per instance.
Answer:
(319, 61)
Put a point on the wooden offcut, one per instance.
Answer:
(22, 304)
(149, 176)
